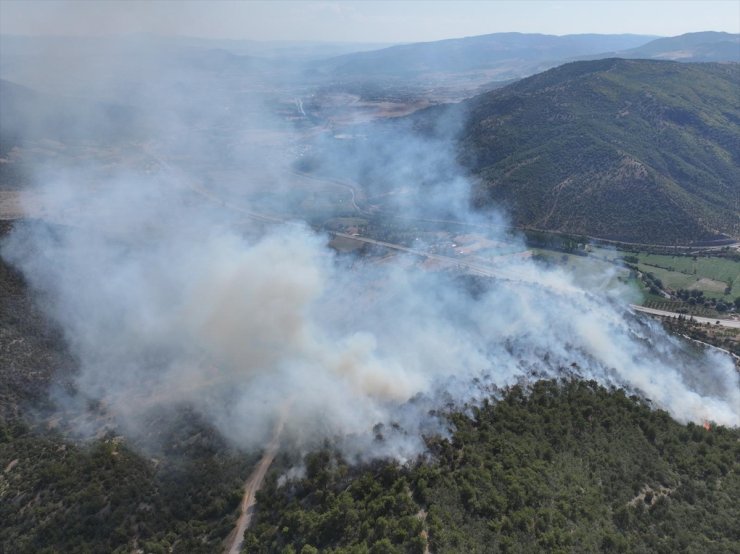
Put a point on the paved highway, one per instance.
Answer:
(723, 322)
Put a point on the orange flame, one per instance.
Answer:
(707, 425)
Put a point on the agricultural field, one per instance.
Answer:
(709, 274)
(709, 277)
(674, 279)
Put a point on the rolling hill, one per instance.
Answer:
(631, 150)
(36, 127)
(29, 114)
(501, 55)
(707, 46)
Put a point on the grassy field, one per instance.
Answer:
(717, 268)
(671, 279)
(709, 274)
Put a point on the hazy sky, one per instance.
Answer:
(364, 21)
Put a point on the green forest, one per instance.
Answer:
(60, 492)
(563, 467)
(639, 151)
(558, 466)
(58, 495)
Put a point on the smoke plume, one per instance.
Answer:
(175, 286)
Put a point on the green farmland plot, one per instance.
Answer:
(671, 279)
(709, 274)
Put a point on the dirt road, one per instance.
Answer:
(251, 486)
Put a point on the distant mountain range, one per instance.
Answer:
(631, 150)
(502, 55)
(692, 47)
(506, 56)
(109, 68)
(30, 114)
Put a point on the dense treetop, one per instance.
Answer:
(564, 467)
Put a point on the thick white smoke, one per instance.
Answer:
(171, 298)
(165, 301)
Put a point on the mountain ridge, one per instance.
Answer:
(616, 149)
(705, 46)
(510, 54)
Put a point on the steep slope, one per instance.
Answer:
(632, 150)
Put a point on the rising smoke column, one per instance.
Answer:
(167, 300)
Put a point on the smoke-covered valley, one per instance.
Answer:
(193, 263)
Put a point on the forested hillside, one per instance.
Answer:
(562, 467)
(59, 493)
(567, 467)
(632, 150)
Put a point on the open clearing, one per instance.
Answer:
(709, 285)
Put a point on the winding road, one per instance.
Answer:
(252, 485)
